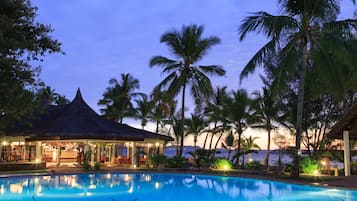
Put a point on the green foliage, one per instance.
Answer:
(117, 98)
(86, 165)
(309, 165)
(96, 166)
(156, 160)
(202, 157)
(24, 42)
(222, 164)
(189, 47)
(176, 162)
(254, 165)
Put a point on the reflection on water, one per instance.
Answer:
(163, 187)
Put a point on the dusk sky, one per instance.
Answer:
(103, 39)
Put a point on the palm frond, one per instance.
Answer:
(213, 70)
(161, 61)
(269, 25)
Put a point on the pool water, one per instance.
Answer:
(161, 187)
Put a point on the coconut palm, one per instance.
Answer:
(195, 126)
(188, 46)
(117, 97)
(238, 105)
(228, 144)
(249, 146)
(143, 111)
(305, 34)
(213, 109)
(265, 111)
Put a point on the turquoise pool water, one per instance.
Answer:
(160, 187)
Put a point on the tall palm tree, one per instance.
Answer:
(195, 126)
(265, 111)
(214, 110)
(300, 33)
(117, 97)
(143, 110)
(188, 46)
(238, 104)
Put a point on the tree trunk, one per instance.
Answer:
(218, 140)
(266, 159)
(182, 119)
(213, 134)
(296, 169)
(239, 143)
(204, 143)
(157, 126)
(194, 142)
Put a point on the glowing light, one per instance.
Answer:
(126, 177)
(36, 180)
(4, 143)
(316, 172)
(109, 176)
(157, 144)
(134, 166)
(2, 189)
(323, 162)
(250, 160)
(16, 188)
(147, 178)
(157, 185)
(37, 160)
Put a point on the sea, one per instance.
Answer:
(170, 151)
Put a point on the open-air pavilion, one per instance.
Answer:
(346, 129)
(72, 132)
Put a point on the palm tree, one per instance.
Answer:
(143, 111)
(117, 97)
(266, 110)
(228, 143)
(249, 147)
(214, 110)
(238, 105)
(189, 47)
(195, 126)
(301, 30)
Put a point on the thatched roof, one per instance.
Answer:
(77, 120)
(347, 122)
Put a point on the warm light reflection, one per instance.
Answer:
(36, 180)
(109, 176)
(157, 185)
(16, 188)
(2, 189)
(126, 177)
(147, 178)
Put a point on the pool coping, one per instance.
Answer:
(348, 183)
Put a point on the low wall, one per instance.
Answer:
(22, 166)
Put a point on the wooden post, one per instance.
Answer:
(58, 159)
(38, 152)
(347, 152)
(133, 155)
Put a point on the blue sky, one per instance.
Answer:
(102, 39)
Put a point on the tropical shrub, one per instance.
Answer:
(176, 162)
(202, 157)
(222, 164)
(254, 165)
(309, 165)
(156, 160)
(86, 165)
(96, 166)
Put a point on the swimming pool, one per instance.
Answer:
(160, 187)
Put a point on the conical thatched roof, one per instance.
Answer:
(347, 122)
(77, 120)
